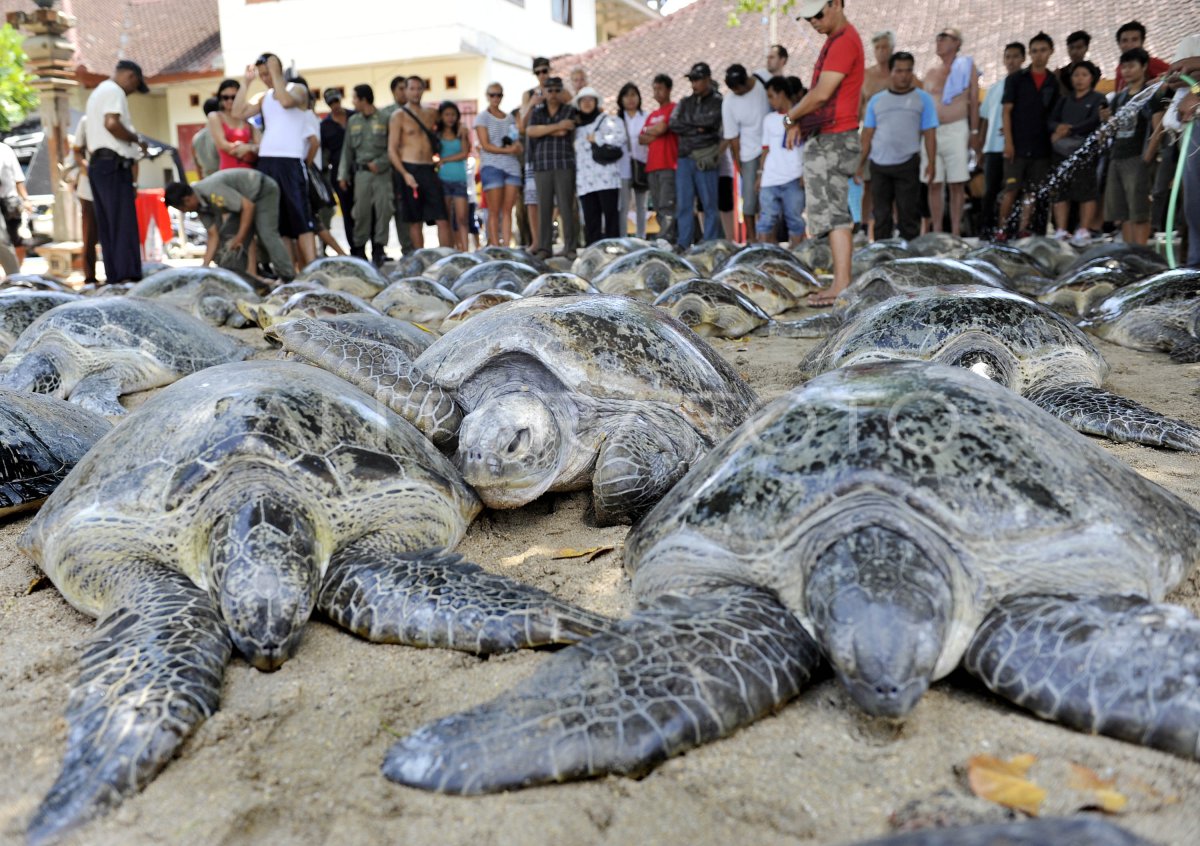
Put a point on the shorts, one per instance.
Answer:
(776, 201)
(1127, 197)
(1022, 172)
(724, 194)
(830, 160)
(749, 174)
(1082, 187)
(454, 188)
(491, 178)
(295, 215)
(429, 204)
(953, 162)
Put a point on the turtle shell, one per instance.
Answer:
(493, 276)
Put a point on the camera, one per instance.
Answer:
(506, 141)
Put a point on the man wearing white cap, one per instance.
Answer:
(952, 82)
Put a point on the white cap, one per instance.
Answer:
(1187, 48)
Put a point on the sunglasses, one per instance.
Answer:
(228, 96)
(540, 71)
(495, 93)
(819, 15)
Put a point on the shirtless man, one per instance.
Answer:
(958, 126)
(410, 150)
(876, 79)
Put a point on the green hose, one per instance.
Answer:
(1183, 149)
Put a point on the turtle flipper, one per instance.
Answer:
(1113, 665)
(99, 393)
(381, 370)
(678, 674)
(150, 674)
(435, 599)
(1096, 411)
(636, 466)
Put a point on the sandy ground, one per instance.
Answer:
(293, 757)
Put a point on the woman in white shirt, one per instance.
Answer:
(597, 182)
(633, 162)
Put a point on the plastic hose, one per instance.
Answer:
(1183, 149)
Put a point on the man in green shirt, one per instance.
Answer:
(365, 165)
(251, 200)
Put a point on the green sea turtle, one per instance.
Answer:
(416, 262)
(320, 302)
(644, 274)
(210, 293)
(474, 305)
(710, 256)
(558, 285)
(814, 253)
(554, 394)
(595, 257)
(34, 281)
(939, 245)
(219, 516)
(1054, 254)
(878, 252)
(1005, 337)
(520, 255)
(348, 274)
(896, 520)
(19, 307)
(410, 339)
(1010, 260)
(711, 308)
(1159, 313)
(41, 439)
(493, 276)
(446, 270)
(756, 254)
(416, 299)
(1137, 257)
(769, 294)
(260, 312)
(1078, 292)
(92, 351)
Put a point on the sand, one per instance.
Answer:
(293, 757)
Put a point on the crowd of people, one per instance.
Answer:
(590, 165)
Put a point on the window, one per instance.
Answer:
(560, 11)
(451, 83)
(193, 100)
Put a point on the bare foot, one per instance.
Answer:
(823, 299)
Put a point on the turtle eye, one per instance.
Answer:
(519, 440)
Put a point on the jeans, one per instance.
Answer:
(784, 202)
(690, 181)
(599, 215)
(899, 184)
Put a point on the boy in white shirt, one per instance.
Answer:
(780, 184)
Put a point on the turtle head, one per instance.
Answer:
(509, 449)
(265, 576)
(881, 607)
(37, 372)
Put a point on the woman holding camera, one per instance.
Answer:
(500, 160)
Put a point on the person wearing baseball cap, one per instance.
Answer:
(697, 122)
(742, 113)
(826, 118)
(333, 141)
(113, 146)
(953, 83)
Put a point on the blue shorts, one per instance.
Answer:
(493, 177)
(454, 188)
(786, 201)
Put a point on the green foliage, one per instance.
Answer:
(17, 98)
(758, 7)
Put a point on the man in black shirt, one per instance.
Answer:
(333, 137)
(1029, 97)
(1127, 196)
(550, 128)
(697, 122)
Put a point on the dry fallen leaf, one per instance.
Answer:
(590, 554)
(36, 584)
(1108, 799)
(1004, 782)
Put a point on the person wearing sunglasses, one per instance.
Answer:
(237, 140)
(826, 118)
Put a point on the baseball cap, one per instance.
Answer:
(541, 62)
(736, 75)
(700, 70)
(331, 95)
(1187, 48)
(953, 31)
(553, 82)
(810, 8)
(126, 65)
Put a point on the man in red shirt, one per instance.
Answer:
(826, 119)
(1132, 36)
(662, 157)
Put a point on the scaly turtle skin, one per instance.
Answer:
(711, 308)
(493, 276)
(644, 274)
(597, 256)
(94, 350)
(1159, 313)
(348, 274)
(410, 339)
(1009, 339)
(558, 285)
(558, 394)
(416, 299)
(210, 293)
(19, 307)
(474, 305)
(41, 439)
(218, 517)
(896, 520)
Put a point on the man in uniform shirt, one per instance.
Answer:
(251, 199)
(364, 165)
(113, 146)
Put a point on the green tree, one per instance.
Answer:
(743, 7)
(17, 98)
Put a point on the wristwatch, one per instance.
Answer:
(787, 120)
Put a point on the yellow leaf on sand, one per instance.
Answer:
(589, 554)
(1004, 782)
(1108, 799)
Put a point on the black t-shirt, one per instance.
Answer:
(1031, 110)
(1130, 140)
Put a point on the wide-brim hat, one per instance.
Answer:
(587, 91)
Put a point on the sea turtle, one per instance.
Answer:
(1056, 255)
(474, 305)
(644, 274)
(595, 257)
(210, 293)
(416, 262)
(896, 519)
(493, 276)
(1159, 313)
(711, 308)
(321, 302)
(1078, 292)
(554, 394)
(1010, 260)
(520, 255)
(221, 514)
(19, 307)
(558, 285)
(875, 254)
(1049, 831)
(792, 275)
(348, 274)
(446, 270)
(34, 281)
(1137, 257)
(939, 245)
(756, 254)
(410, 339)
(770, 295)
(710, 256)
(261, 312)
(814, 253)
(416, 299)
(1005, 337)
(41, 439)
(92, 351)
